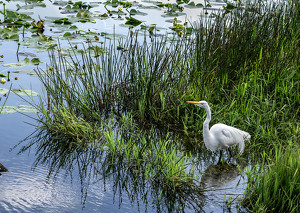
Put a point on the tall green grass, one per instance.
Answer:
(276, 187)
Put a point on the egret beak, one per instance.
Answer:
(193, 102)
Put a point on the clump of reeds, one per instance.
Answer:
(276, 187)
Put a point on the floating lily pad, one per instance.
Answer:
(137, 12)
(173, 14)
(23, 63)
(31, 6)
(26, 71)
(172, 21)
(3, 91)
(14, 15)
(112, 36)
(25, 92)
(60, 3)
(132, 21)
(193, 5)
(37, 41)
(27, 54)
(20, 108)
(62, 21)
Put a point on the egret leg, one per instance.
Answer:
(220, 158)
(229, 153)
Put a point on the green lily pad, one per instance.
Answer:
(193, 5)
(23, 63)
(40, 43)
(3, 91)
(31, 6)
(11, 33)
(62, 21)
(16, 16)
(137, 12)
(132, 21)
(27, 54)
(20, 108)
(26, 71)
(112, 36)
(23, 92)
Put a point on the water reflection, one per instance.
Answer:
(94, 165)
(221, 174)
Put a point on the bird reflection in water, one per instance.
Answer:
(221, 174)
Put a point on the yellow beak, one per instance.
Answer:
(193, 102)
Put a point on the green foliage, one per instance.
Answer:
(275, 188)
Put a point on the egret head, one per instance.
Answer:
(202, 104)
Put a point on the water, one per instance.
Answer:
(29, 189)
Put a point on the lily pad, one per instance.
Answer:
(26, 54)
(14, 15)
(132, 21)
(137, 12)
(2, 75)
(23, 63)
(20, 108)
(3, 91)
(31, 6)
(193, 5)
(23, 92)
(26, 71)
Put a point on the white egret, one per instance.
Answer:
(220, 136)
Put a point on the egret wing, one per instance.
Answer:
(229, 136)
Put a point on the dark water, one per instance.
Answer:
(29, 189)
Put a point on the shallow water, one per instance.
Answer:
(28, 189)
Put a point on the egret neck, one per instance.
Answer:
(206, 134)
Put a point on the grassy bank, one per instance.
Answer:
(244, 63)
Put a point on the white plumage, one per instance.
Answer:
(221, 136)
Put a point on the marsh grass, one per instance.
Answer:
(245, 64)
(136, 161)
(276, 187)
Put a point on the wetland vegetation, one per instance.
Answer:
(117, 108)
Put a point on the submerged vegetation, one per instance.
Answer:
(119, 100)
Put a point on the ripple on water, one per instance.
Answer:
(26, 190)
